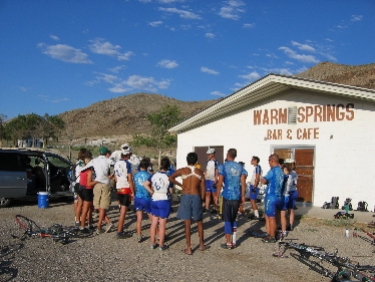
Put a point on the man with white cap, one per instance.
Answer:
(211, 176)
(102, 190)
(133, 159)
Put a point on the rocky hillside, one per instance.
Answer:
(361, 76)
(123, 116)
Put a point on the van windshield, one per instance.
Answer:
(58, 162)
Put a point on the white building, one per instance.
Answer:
(327, 128)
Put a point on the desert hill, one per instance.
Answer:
(125, 116)
(361, 76)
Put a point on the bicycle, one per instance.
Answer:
(56, 232)
(372, 236)
(345, 267)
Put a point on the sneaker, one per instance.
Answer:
(227, 246)
(84, 230)
(77, 224)
(163, 248)
(289, 227)
(99, 231)
(108, 228)
(269, 239)
(153, 247)
(140, 239)
(123, 235)
(91, 227)
(214, 212)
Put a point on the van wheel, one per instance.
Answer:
(5, 202)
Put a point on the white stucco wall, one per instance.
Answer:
(343, 163)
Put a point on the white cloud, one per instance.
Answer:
(125, 56)
(54, 37)
(271, 55)
(341, 26)
(209, 35)
(134, 82)
(23, 89)
(303, 47)
(65, 53)
(117, 69)
(283, 71)
(156, 23)
(329, 40)
(118, 88)
(218, 93)
(99, 46)
(251, 76)
(299, 57)
(145, 83)
(248, 25)
(168, 64)
(182, 13)
(232, 9)
(209, 71)
(356, 18)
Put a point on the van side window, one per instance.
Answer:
(12, 162)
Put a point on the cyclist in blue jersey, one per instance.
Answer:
(274, 180)
(142, 198)
(232, 175)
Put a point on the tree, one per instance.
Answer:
(35, 127)
(160, 139)
(2, 128)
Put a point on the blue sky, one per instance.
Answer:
(62, 55)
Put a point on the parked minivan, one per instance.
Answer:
(24, 173)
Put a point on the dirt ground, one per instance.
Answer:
(104, 258)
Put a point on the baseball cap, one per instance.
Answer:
(210, 151)
(103, 150)
(126, 152)
(125, 146)
(289, 161)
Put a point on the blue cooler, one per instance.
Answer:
(43, 200)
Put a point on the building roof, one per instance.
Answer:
(266, 87)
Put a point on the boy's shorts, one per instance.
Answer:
(271, 202)
(190, 207)
(253, 194)
(161, 208)
(210, 187)
(142, 204)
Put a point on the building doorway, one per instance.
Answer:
(304, 158)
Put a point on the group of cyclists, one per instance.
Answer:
(221, 186)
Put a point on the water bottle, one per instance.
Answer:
(347, 233)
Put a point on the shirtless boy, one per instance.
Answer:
(193, 190)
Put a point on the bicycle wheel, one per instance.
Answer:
(27, 223)
(74, 232)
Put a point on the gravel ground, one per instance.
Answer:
(103, 258)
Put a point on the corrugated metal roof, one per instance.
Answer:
(265, 87)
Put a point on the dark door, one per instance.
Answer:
(305, 169)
